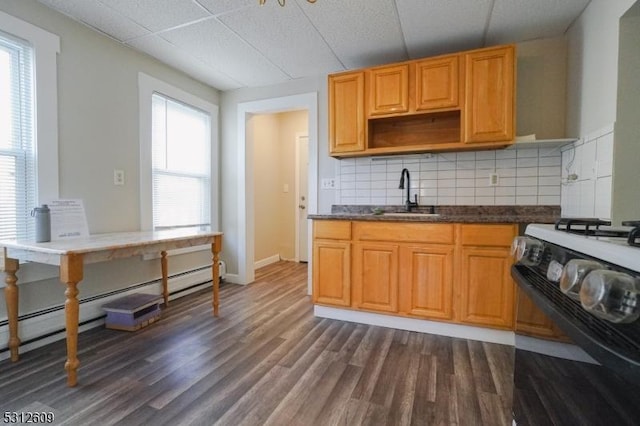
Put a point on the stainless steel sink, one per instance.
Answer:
(411, 214)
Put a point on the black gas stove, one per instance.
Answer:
(601, 228)
(584, 275)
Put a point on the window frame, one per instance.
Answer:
(147, 86)
(46, 47)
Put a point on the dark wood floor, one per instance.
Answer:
(265, 360)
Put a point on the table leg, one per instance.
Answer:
(216, 247)
(165, 282)
(71, 274)
(11, 299)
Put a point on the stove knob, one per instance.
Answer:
(554, 271)
(611, 295)
(527, 251)
(573, 274)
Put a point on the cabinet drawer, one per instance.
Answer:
(438, 233)
(488, 235)
(332, 229)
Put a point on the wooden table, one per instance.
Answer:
(71, 255)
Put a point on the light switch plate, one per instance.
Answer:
(328, 183)
(493, 179)
(118, 177)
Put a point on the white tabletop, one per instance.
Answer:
(101, 247)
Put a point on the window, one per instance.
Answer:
(178, 157)
(181, 165)
(28, 123)
(17, 154)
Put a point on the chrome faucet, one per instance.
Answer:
(408, 204)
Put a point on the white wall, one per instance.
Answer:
(98, 132)
(592, 68)
(592, 97)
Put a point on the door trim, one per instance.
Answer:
(245, 208)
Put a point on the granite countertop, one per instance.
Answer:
(445, 214)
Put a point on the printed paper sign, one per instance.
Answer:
(68, 220)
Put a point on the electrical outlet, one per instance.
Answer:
(118, 177)
(493, 179)
(328, 183)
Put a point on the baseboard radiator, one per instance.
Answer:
(42, 327)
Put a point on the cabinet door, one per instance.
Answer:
(332, 272)
(531, 321)
(389, 90)
(347, 131)
(426, 281)
(486, 293)
(489, 95)
(375, 276)
(437, 83)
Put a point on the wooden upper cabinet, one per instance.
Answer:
(388, 89)
(437, 83)
(489, 95)
(347, 124)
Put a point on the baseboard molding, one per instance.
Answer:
(266, 261)
(421, 326)
(234, 279)
(49, 326)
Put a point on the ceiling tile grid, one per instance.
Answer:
(433, 27)
(362, 33)
(169, 54)
(283, 35)
(98, 16)
(238, 43)
(214, 44)
(520, 20)
(157, 15)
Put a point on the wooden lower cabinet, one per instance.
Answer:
(426, 281)
(332, 272)
(531, 321)
(486, 287)
(459, 273)
(375, 276)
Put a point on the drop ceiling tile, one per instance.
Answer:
(157, 15)
(171, 55)
(223, 6)
(214, 44)
(362, 33)
(285, 37)
(433, 27)
(98, 16)
(520, 20)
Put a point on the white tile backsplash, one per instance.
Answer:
(455, 178)
(590, 160)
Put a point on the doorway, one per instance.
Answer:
(246, 209)
(280, 169)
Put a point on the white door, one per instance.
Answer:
(302, 184)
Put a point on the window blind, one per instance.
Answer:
(181, 164)
(17, 144)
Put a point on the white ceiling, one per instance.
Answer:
(230, 44)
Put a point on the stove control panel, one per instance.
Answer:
(602, 289)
